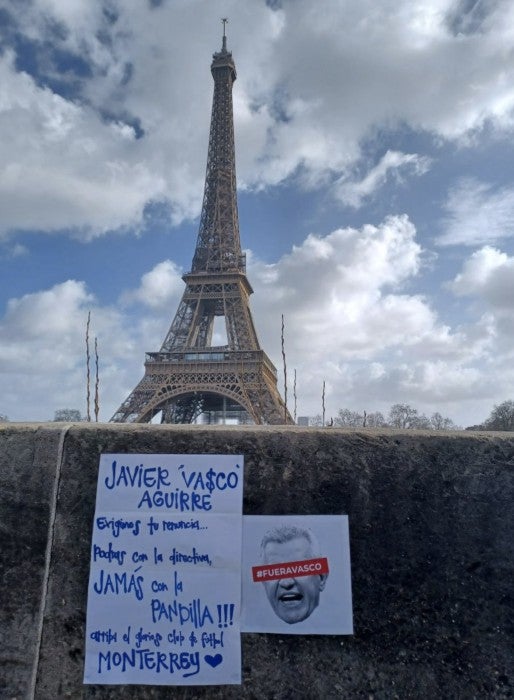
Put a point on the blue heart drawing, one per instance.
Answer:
(214, 660)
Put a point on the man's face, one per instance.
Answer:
(292, 599)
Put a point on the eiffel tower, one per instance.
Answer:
(190, 379)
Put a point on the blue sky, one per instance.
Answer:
(374, 146)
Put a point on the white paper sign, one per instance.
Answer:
(164, 594)
(296, 574)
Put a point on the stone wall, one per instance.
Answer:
(431, 535)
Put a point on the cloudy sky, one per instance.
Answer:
(375, 164)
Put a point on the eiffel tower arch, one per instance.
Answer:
(189, 377)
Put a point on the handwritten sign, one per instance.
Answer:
(296, 574)
(164, 592)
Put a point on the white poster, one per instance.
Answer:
(164, 594)
(296, 574)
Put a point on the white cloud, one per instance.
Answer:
(487, 281)
(329, 64)
(51, 314)
(477, 214)
(43, 356)
(487, 274)
(330, 282)
(347, 269)
(62, 167)
(12, 250)
(351, 322)
(312, 86)
(393, 164)
(160, 288)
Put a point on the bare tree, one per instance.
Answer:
(401, 415)
(354, 419)
(348, 419)
(502, 417)
(439, 422)
(67, 415)
(421, 422)
(376, 420)
(323, 403)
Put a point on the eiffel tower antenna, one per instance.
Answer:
(210, 367)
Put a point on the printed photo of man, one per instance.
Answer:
(293, 599)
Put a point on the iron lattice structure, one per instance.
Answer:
(190, 378)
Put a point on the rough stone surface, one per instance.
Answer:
(431, 535)
(27, 470)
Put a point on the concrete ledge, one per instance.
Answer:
(431, 523)
(28, 458)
